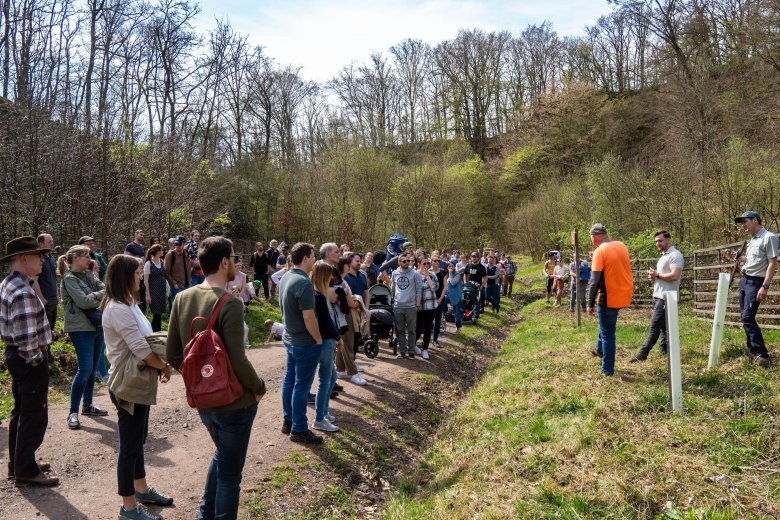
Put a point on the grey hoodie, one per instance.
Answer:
(407, 288)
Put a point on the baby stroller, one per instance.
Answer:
(471, 302)
(381, 323)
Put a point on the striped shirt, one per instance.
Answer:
(23, 322)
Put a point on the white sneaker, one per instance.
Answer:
(324, 425)
(341, 375)
(425, 354)
(417, 350)
(359, 367)
(358, 380)
(330, 418)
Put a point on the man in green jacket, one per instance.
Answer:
(230, 425)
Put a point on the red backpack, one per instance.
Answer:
(206, 370)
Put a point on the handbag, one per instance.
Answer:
(340, 319)
(95, 316)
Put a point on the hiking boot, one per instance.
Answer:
(325, 426)
(638, 358)
(152, 496)
(762, 362)
(334, 394)
(358, 380)
(44, 467)
(38, 480)
(425, 354)
(307, 437)
(286, 426)
(94, 411)
(139, 512)
(73, 421)
(338, 388)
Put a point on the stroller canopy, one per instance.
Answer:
(380, 294)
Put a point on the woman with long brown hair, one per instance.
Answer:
(125, 330)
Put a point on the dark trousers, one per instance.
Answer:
(51, 312)
(133, 430)
(493, 295)
(657, 328)
(30, 414)
(142, 297)
(156, 322)
(425, 326)
(437, 319)
(263, 280)
(748, 307)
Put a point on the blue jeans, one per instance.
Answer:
(327, 378)
(748, 306)
(457, 311)
(302, 362)
(88, 347)
(101, 370)
(230, 433)
(605, 344)
(173, 294)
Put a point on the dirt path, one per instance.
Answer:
(384, 425)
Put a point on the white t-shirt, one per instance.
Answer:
(560, 271)
(277, 329)
(670, 259)
(148, 266)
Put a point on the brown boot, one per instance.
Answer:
(38, 480)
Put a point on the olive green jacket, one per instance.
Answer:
(80, 291)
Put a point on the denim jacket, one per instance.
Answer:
(455, 289)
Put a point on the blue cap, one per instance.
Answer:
(746, 215)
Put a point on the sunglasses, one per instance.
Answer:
(403, 261)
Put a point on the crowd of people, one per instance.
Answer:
(323, 294)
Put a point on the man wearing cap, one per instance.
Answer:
(177, 269)
(284, 250)
(611, 286)
(476, 273)
(26, 333)
(94, 255)
(757, 273)
(391, 265)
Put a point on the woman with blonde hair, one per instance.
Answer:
(324, 300)
(81, 294)
(133, 392)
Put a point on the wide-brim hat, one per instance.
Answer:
(23, 246)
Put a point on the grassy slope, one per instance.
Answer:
(544, 436)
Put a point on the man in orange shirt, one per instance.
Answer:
(612, 284)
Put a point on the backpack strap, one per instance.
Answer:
(214, 315)
(218, 308)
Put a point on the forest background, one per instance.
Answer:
(117, 114)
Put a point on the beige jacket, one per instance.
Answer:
(360, 317)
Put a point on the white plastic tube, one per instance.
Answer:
(673, 331)
(718, 325)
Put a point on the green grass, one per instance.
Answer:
(543, 435)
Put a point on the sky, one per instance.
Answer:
(324, 36)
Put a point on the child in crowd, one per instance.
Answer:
(274, 329)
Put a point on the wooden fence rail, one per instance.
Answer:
(707, 264)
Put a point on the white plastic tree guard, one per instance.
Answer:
(673, 332)
(718, 325)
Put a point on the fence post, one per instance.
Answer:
(721, 301)
(673, 332)
(576, 281)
